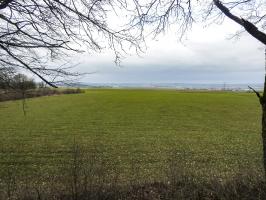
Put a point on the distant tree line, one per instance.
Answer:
(14, 86)
(16, 82)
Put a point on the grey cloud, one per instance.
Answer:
(199, 60)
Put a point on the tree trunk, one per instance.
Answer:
(263, 123)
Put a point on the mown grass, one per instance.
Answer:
(206, 133)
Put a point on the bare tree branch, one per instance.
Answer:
(28, 67)
(4, 3)
(35, 33)
(249, 27)
(256, 92)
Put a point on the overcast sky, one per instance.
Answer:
(206, 55)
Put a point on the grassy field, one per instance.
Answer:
(205, 133)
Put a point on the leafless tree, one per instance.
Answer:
(35, 33)
(6, 75)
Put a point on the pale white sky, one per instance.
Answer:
(206, 55)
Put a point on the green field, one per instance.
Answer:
(205, 133)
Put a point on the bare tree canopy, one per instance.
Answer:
(159, 15)
(35, 33)
(32, 32)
